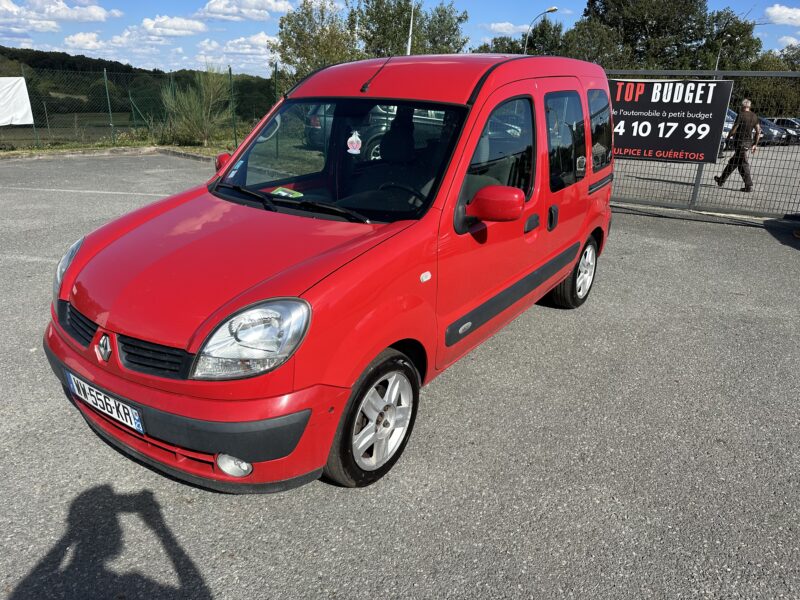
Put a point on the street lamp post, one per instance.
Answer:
(552, 9)
(410, 31)
(722, 41)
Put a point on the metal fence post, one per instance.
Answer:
(110, 115)
(47, 120)
(33, 117)
(696, 189)
(233, 107)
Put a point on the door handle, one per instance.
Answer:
(552, 217)
(532, 223)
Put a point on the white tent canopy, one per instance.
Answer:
(15, 107)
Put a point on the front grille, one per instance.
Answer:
(81, 328)
(154, 359)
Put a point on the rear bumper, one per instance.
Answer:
(286, 449)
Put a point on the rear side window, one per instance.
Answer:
(566, 139)
(504, 154)
(600, 134)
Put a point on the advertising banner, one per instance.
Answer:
(675, 121)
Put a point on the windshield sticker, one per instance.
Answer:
(286, 192)
(235, 168)
(354, 144)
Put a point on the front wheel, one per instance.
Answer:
(377, 421)
(574, 290)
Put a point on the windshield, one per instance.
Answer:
(378, 159)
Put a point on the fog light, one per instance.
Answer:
(235, 467)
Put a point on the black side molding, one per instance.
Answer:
(601, 183)
(509, 296)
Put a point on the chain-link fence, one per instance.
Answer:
(775, 167)
(90, 107)
(73, 107)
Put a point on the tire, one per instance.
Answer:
(364, 420)
(574, 290)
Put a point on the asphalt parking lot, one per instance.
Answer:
(646, 445)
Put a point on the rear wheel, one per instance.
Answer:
(574, 290)
(377, 422)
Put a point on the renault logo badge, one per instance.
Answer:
(104, 347)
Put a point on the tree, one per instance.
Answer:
(502, 44)
(592, 41)
(658, 34)
(383, 26)
(196, 111)
(791, 56)
(730, 38)
(317, 33)
(545, 38)
(442, 29)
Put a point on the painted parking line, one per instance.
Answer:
(57, 190)
(27, 258)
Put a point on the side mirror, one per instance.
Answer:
(222, 160)
(497, 203)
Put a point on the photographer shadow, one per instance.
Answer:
(76, 566)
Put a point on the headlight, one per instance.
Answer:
(62, 267)
(253, 341)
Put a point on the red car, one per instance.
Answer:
(277, 322)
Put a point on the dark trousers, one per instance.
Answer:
(739, 161)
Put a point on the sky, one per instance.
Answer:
(193, 33)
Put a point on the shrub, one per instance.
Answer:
(197, 110)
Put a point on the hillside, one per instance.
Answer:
(11, 58)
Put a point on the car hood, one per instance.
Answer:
(162, 279)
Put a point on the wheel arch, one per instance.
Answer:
(415, 351)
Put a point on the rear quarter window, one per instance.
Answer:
(600, 133)
(566, 139)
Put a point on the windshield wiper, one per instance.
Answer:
(264, 198)
(334, 209)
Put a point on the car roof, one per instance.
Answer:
(447, 78)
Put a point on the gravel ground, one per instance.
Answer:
(645, 445)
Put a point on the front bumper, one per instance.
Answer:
(286, 449)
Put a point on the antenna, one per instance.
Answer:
(365, 87)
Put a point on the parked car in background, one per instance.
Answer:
(725, 142)
(277, 321)
(320, 118)
(772, 134)
(792, 127)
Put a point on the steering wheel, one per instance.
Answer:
(406, 188)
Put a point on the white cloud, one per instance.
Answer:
(45, 15)
(506, 28)
(164, 26)
(208, 45)
(239, 10)
(249, 54)
(254, 45)
(779, 14)
(58, 10)
(788, 40)
(84, 41)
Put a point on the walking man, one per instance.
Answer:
(742, 134)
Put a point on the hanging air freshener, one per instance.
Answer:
(354, 144)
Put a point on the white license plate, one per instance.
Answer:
(119, 411)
